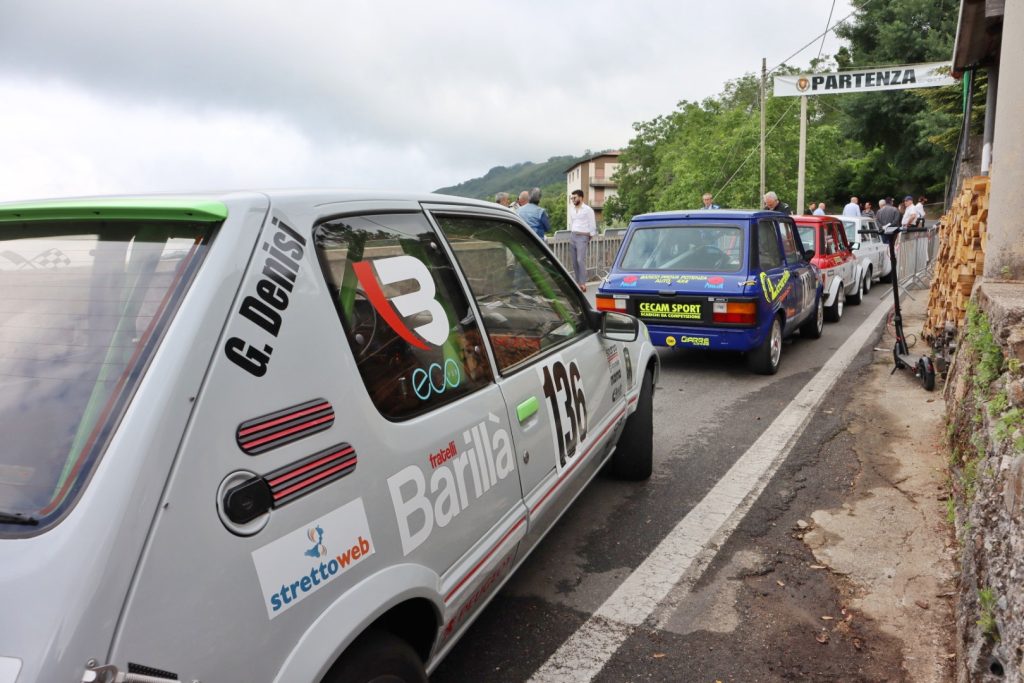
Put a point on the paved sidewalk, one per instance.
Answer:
(890, 540)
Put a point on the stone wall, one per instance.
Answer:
(985, 403)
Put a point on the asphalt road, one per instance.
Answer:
(752, 612)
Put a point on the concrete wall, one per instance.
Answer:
(1004, 256)
(985, 404)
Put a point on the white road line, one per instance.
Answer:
(690, 546)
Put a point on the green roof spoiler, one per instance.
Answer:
(202, 210)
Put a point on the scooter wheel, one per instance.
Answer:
(926, 371)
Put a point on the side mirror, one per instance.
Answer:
(855, 246)
(808, 255)
(619, 326)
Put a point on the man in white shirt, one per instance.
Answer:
(820, 211)
(853, 208)
(582, 228)
(919, 207)
(909, 212)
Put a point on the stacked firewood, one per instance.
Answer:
(961, 258)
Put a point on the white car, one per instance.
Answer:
(871, 251)
(290, 437)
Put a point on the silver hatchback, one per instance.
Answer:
(298, 436)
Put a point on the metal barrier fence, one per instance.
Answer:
(915, 254)
(600, 254)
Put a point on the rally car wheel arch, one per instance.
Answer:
(378, 656)
(835, 312)
(764, 360)
(815, 323)
(633, 458)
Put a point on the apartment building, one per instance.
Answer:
(593, 176)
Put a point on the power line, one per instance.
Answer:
(821, 35)
(749, 154)
(827, 21)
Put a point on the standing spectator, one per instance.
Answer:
(503, 199)
(820, 211)
(772, 203)
(708, 204)
(582, 229)
(524, 199)
(534, 215)
(868, 211)
(811, 208)
(853, 208)
(909, 212)
(919, 208)
(887, 214)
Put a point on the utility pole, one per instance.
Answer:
(803, 157)
(764, 79)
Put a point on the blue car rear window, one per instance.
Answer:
(691, 247)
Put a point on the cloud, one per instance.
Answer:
(121, 95)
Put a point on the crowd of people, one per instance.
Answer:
(582, 224)
(905, 213)
(889, 212)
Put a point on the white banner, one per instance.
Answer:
(869, 80)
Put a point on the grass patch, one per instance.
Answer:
(987, 613)
(990, 356)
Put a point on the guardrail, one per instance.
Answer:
(600, 254)
(915, 254)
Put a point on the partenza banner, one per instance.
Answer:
(870, 80)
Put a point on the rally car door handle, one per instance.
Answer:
(527, 409)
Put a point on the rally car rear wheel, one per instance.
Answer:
(858, 296)
(633, 458)
(378, 656)
(764, 360)
(835, 312)
(812, 327)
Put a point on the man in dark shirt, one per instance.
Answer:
(772, 203)
(887, 214)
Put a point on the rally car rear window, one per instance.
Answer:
(692, 247)
(84, 306)
(407, 318)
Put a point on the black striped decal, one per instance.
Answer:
(284, 426)
(309, 474)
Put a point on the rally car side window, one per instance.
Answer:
(527, 303)
(791, 244)
(406, 317)
(768, 245)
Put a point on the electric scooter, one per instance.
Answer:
(923, 367)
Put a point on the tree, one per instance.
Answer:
(901, 124)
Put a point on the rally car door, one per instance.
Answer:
(558, 377)
(800, 300)
(778, 286)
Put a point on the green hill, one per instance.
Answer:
(513, 179)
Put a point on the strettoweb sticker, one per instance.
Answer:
(295, 566)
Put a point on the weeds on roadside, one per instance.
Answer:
(986, 613)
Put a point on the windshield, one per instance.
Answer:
(84, 306)
(705, 248)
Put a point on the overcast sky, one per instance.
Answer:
(123, 96)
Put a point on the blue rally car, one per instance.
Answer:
(721, 279)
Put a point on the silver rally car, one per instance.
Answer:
(295, 436)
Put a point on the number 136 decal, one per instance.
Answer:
(567, 402)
